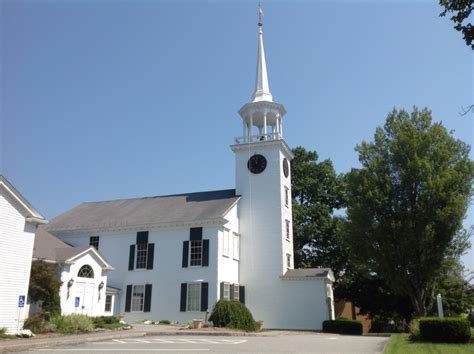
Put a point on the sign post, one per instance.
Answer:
(440, 306)
(77, 301)
(21, 304)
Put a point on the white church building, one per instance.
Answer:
(174, 256)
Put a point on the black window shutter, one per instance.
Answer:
(185, 253)
(147, 304)
(242, 294)
(128, 298)
(184, 293)
(151, 255)
(222, 291)
(131, 257)
(205, 253)
(142, 237)
(231, 295)
(204, 296)
(195, 234)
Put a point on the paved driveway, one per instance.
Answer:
(308, 343)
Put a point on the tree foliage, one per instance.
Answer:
(460, 10)
(44, 286)
(317, 193)
(406, 204)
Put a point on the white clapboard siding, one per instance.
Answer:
(16, 248)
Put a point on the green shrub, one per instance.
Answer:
(447, 330)
(99, 322)
(470, 317)
(37, 323)
(73, 323)
(388, 324)
(342, 327)
(164, 322)
(232, 314)
(414, 329)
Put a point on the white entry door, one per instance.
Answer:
(85, 291)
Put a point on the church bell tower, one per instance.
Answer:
(263, 180)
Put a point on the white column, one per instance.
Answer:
(281, 129)
(265, 123)
(250, 127)
(244, 126)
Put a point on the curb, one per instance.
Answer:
(67, 340)
(193, 333)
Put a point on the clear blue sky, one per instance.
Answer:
(104, 99)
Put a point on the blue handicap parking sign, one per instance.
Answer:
(77, 301)
(21, 301)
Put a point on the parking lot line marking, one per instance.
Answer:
(128, 350)
(163, 341)
(119, 341)
(188, 341)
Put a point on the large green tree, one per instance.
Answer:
(44, 286)
(461, 11)
(317, 193)
(405, 205)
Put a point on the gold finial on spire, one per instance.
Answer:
(260, 15)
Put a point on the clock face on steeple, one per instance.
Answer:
(257, 164)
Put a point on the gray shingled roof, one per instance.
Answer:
(188, 207)
(307, 273)
(50, 248)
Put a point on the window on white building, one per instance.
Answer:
(287, 223)
(138, 297)
(94, 241)
(142, 251)
(86, 271)
(225, 243)
(195, 253)
(236, 248)
(287, 196)
(108, 303)
(288, 260)
(236, 292)
(194, 297)
(226, 291)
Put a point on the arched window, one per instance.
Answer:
(86, 272)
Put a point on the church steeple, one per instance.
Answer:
(262, 89)
(262, 112)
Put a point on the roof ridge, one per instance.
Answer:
(160, 196)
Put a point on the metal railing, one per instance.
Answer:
(257, 138)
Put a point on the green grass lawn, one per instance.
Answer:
(400, 344)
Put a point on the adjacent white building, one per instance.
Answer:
(175, 256)
(18, 223)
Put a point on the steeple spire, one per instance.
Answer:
(262, 89)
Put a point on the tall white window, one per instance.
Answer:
(138, 297)
(288, 260)
(225, 243)
(287, 223)
(142, 250)
(287, 196)
(236, 248)
(194, 297)
(196, 253)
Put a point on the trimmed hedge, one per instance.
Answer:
(341, 326)
(445, 330)
(232, 314)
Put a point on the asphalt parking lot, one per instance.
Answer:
(311, 343)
